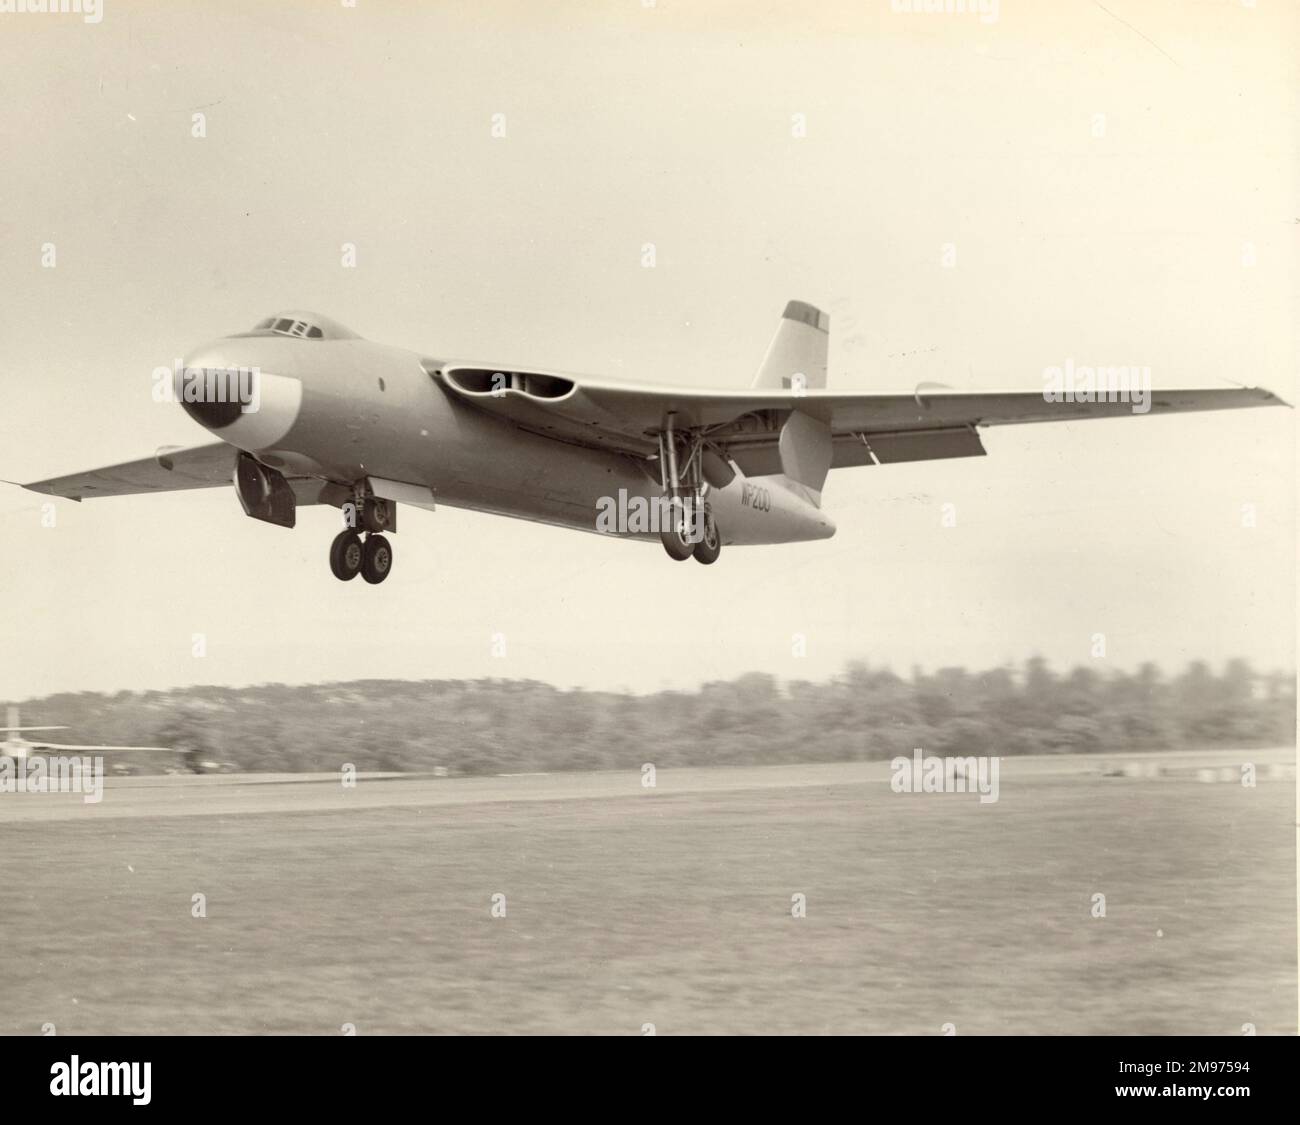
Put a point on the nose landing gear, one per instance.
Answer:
(350, 555)
(346, 553)
(372, 557)
(376, 559)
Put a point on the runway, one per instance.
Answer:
(234, 794)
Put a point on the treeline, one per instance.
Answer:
(494, 726)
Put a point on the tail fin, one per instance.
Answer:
(796, 357)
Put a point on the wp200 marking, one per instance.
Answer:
(755, 496)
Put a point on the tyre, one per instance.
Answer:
(376, 559)
(346, 553)
(709, 548)
(676, 534)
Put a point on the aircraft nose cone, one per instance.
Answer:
(214, 390)
(237, 398)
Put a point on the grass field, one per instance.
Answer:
(670, 909)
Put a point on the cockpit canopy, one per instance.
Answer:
(303, 326)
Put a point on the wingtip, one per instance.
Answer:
(1271, 398)
(41, 489)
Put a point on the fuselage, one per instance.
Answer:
(344, 409)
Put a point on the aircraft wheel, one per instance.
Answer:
(709, 548)
(376, 559)
(346, 554)
(676, 537)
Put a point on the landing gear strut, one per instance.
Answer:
(687, 526)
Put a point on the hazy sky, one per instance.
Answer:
(1118, 187)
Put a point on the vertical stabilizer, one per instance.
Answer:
(796, 357)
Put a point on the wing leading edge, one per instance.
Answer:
(170, 469)
(926, 425)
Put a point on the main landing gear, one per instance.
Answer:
(371, 557)
(683, 536)
(688, 528)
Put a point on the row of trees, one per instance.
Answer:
(491, 726)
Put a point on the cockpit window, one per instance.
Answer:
(289, 326)
(302, 326)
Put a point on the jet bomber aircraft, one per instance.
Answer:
(307, 412)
